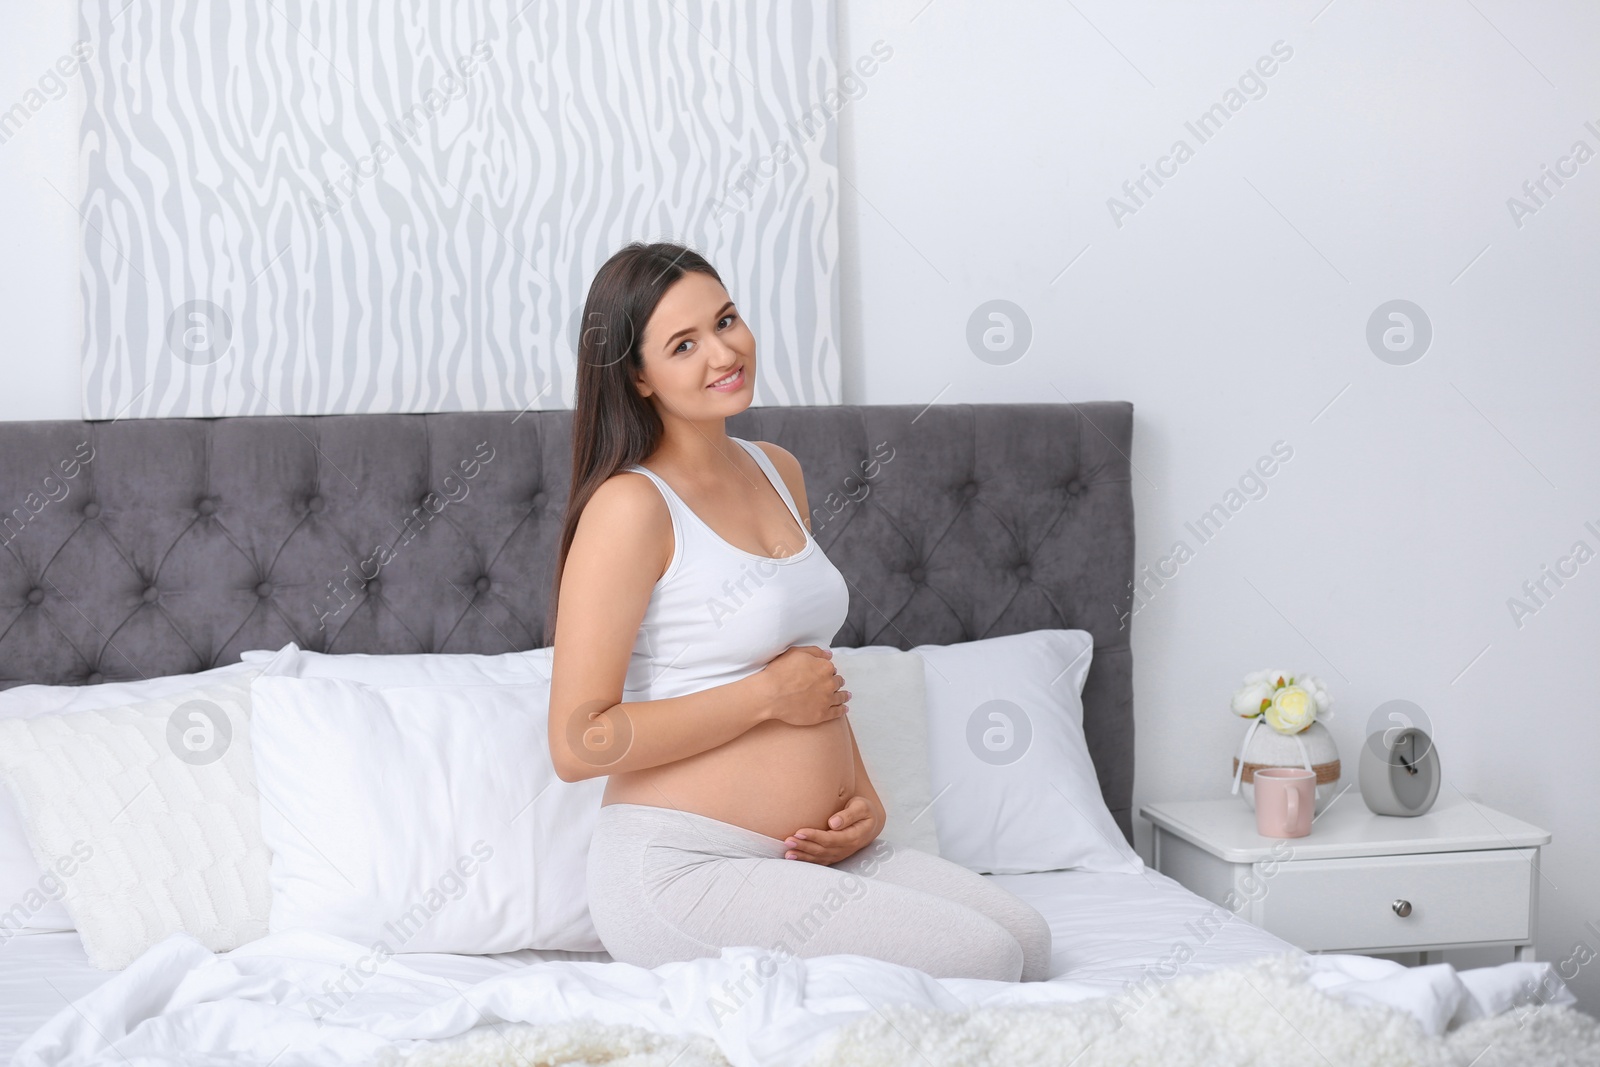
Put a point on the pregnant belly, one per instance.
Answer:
(774, 778)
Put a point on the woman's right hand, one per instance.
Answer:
(803, 688)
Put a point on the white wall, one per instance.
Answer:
(39, 194)
(1231, 309)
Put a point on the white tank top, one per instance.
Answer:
(720, 613)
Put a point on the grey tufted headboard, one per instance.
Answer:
(133, 549)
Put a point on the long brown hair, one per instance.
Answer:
(612, 425)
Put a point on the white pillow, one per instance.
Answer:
(155, 804)
(421, 668)
(1015, 788)
(889, 717)
(421, 818)
(34, 895)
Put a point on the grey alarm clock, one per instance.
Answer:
(1399, 771)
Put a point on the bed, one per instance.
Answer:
(181, 544)
(1108, 929)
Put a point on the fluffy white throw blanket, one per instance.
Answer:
(1261, 1012)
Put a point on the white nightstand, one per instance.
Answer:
(1461, 875)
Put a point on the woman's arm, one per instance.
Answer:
(620, 548)
(857, 833)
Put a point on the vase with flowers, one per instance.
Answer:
(1284, 711)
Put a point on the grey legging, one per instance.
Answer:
(668, 885)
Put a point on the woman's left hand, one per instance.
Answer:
(851, 829)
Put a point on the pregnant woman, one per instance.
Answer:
(692, 616)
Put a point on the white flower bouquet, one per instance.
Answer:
(1295, 706)
(1287, 703)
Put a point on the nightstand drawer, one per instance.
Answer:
(1347, 904)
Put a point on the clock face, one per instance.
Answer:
(1399, 771)
(1413, 769)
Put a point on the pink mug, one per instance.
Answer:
(1285, 799)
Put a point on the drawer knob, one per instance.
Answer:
(1401, 908)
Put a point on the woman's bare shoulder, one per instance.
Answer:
(626, 511)
(776, 452)
(625, 494)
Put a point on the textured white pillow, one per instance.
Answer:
(889, 718)
(420, 668)
(33, 895)
(155, 804)
(421, 818)
(1015, 788)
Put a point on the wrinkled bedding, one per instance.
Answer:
(302, 998)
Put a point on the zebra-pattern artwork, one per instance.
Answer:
(321, 206)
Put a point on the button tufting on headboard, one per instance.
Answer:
(438, 533)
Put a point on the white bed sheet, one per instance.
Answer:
(1108, 929)
(1111, 931)
(1114, 929)
(42, 973)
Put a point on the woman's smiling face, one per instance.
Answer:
(694, 338)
